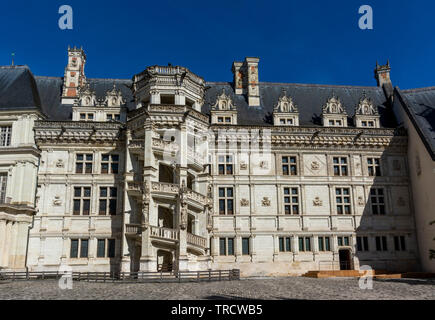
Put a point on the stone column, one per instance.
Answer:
(2, 241)
(238, 247)
(275, 247)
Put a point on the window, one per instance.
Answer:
(84, 163)
(399, 243)
(381, 243)
(291, 201)
(3, 185)
(342, 199)
(285, 244)
(343, 241)
(220, 119)
(304, 244)
(106, 248)
(362, 243)
(335, 123)
(377, 200)
(226, 200)
(110, 163)
(107, 201)
(5, 136)
(113, 116)
(225, 165)
(228, 119)
(340, 166)
(226, 246)
(286, 121)
(374, 167)
(79, 245)
(87, 116)
(245, 246)
(82, 200)
(324, 244)
(289, 166)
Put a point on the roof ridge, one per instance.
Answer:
(419, 89)
(321, 85)
(109, 79)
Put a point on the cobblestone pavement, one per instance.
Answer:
(273, 288)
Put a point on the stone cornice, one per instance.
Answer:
(77, 131)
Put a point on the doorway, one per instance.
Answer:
(345, 259)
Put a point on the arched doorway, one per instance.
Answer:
(164, 261)
(345, 259)
(166, 218)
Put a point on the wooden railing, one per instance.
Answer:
(164, 233)
(162, 276)
(196, 240)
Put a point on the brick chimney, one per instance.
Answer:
(246, 80)
(74, 77)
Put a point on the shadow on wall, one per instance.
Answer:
(386, 238)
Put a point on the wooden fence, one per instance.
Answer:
(181, 276)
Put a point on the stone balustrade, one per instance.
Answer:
(195, 196)
(136, 144)
(133, 229)
(134, 186)
(196, 240)
(164, 233)
(165, 146)
(164, 187)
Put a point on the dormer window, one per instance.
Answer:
(333, 113)
(223, 112)
(285, 112)
(366, 115)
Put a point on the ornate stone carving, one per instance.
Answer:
(223, 102)
(57, 201)
(243, 165)
(365, 107)
(60, 164)
(244, 202)
(317, 202)
(285, 104)
(315, 165)
(264, 165)
(333, 106)
(265, 202)
(361, 201)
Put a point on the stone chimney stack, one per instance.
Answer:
(74, 77)
(246, 80)
(382, 76)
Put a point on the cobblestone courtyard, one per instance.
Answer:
(275, 288)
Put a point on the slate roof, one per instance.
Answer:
(45, 93)
(420, 107)
(18, 89)
(309, 98)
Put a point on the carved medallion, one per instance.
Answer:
(60, 164)
(244, 203)
(315, 165)
(265, 202)
(317, 202)
(57, 202)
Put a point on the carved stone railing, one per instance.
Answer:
(196, 240)
(133, 229)
(194, 157)
(134, 186)
(195, 196)
(164, 187)
(165, 146)
(164, 233)
(136, 144)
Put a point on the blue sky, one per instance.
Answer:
(297, 41)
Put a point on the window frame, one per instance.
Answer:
(374, 169)
(340, 166)
(84, 162)
(80, 251)
(378, 208)
(289, 167)
(82, 199)
(5, 135)
(226, 200)
(109, 198)
(288, 198)
(226, 162)
(342, 204)
(225, 250)
(110, 163)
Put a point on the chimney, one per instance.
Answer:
(246, 80)
(382, 76)
(74, 77)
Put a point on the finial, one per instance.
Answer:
(13, 55)
(388, 62)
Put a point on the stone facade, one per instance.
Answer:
(159, 179)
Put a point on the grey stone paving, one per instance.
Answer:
(274, 288)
